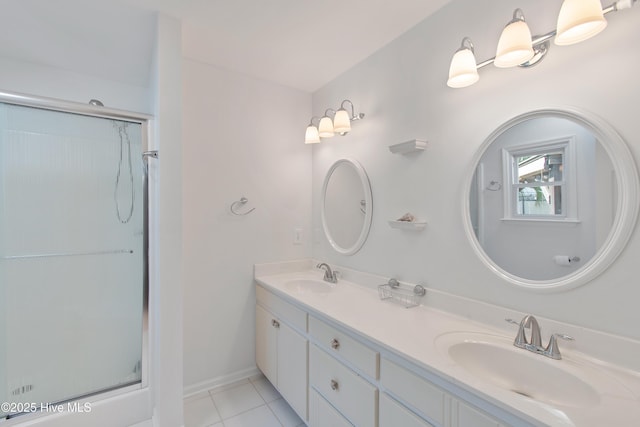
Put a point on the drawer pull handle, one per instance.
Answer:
(334, 385)
(335, 344)
(275, 323)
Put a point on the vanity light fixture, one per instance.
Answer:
(327, 128)
(578, 20)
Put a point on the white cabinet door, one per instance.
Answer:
(282, 356)
(393, 414)
(292, 368)
(266, 344)
(322, 414)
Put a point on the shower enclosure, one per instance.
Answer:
(73, 254)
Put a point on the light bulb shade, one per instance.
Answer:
(311, 135)
(463, 71)
(579, 20)
(325, 129)
(514, 46)
(341, 122)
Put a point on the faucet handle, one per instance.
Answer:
(552, 349)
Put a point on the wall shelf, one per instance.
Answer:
(408, 225)
(413, 146)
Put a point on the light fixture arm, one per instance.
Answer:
(541, 43)
(329, 111)
(466, 44)
(518, 15)
(311, 121)
(353, 116)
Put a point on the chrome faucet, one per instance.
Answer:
(521, 341)
(329, 275)
(534, 344)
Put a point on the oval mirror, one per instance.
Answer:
(346, 206)
(552, 199)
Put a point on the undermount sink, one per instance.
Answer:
(495, 360)
(314, 286)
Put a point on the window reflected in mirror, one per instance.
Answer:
(540, 188)
(539, 183)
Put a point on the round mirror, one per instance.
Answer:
(346, 206)
(552, 199)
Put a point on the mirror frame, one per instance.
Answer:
(627, 205)
(366, 226)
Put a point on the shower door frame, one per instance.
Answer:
(145, 122)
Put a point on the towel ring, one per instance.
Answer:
(240, 203)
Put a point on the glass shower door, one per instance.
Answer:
(72, 261)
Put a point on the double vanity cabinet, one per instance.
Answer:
(332, 377)
(341, 356)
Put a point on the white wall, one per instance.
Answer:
(241, 137)
(44, 81)
(402, 89)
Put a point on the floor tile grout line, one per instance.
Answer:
(216, 408)
(243, 412)
(252, 381)
(275, 415)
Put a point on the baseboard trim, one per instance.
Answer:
(194, 389)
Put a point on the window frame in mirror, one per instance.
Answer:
(368, 199)
(626, 208)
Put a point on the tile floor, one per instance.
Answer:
(248, 403)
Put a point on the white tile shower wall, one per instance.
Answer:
(402, 89)
(241, 137)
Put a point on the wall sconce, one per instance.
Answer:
(578, 20)
(327, 128)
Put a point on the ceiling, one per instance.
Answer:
(296, 43)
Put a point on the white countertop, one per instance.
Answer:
(412, 333)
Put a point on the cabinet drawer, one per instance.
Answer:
(283, 309)
(470, 417)
(393, 414)
(322, 414)
(336, 342)
(414, 390)
(349, 393)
